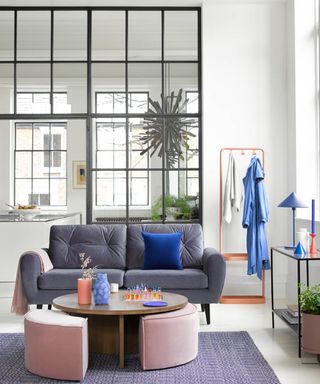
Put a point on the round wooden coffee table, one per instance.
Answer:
(113, 328)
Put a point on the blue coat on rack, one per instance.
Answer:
(255, 217)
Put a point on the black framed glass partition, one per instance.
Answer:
(133, 75)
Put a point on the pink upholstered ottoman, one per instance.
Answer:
(56, 344)
(169, 339)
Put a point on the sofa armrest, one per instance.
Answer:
(214, 266)
(30, 268)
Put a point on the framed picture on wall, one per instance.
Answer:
(79, 174)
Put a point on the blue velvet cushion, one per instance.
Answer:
(162, 250)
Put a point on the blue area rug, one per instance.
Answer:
(224, 358)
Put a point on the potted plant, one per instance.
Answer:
(310, 308)
(85, 283)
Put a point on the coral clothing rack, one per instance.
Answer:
(237, 256)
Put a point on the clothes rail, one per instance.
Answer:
(238, 256)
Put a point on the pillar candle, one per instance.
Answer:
(313, 216)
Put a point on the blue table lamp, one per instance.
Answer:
(293, 202)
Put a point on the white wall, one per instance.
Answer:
(245, 104)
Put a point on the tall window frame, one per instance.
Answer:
(87, 114)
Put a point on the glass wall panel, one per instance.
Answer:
(31, 78)
(182, 142)
(7, 35)
(33, 35)
(110, 189)
(71, 79)
(145, 192)
(108, 88)
(70, 35)
(110, 144)
(144, 35)
(182, 195)
(6, 86)
(108, 35)
(181, 87)
(145, 78)
(181, 35)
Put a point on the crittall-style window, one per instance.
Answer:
(129, 80)
(40, 162)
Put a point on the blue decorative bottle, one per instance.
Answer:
(101, 291)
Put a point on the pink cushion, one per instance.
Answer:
(56, 345)
(169, 339)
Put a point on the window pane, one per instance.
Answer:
(24, 136)
(145, 195)
(58, 136)
(70, 35)
(111, 188)
(180, 35)
(7, 35)
(138, 102)
(139, 189)
(144, 35)
(6, 85)
(111, 136)
(108, 86)
(145, 78)
(33, 35)
(108, 35)
(137, 157)
(22, 191)
(41, 164)
(58, 192)
(58, 164)
(72, 79)
(181, 78)
(105, 159)
(23, 164)
(41, 136)
(40, 187)
(36, 76)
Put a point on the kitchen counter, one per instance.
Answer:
(6, 217)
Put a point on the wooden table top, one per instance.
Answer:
(118, 305)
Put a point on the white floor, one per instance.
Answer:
(278, 346)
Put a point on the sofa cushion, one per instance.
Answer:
(106, 244)
(191, 249)
(190, 278)
(162, 250)
(67, 278)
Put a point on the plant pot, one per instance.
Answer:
(101, 290)
(84, 291)
(310, 333)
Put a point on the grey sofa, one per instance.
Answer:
(118, 250)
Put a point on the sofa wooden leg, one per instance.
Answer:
(207, 311)
(202, 307)
(39, 306)
(49, 306)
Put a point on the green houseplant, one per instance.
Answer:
(310, 307)
(178, 207)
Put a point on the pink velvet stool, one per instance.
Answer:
(169, 339)
(56, 344)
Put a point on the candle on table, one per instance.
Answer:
(313, 216)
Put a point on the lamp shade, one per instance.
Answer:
(293, 201)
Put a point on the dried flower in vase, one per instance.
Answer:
(87, 273)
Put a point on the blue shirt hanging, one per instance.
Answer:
(255, 217)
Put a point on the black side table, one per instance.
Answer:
(299, 259)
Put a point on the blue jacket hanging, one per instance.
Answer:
(255, 217)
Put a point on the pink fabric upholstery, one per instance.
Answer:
(169, 339)
(56, 350)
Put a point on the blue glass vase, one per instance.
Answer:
(101, 291)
